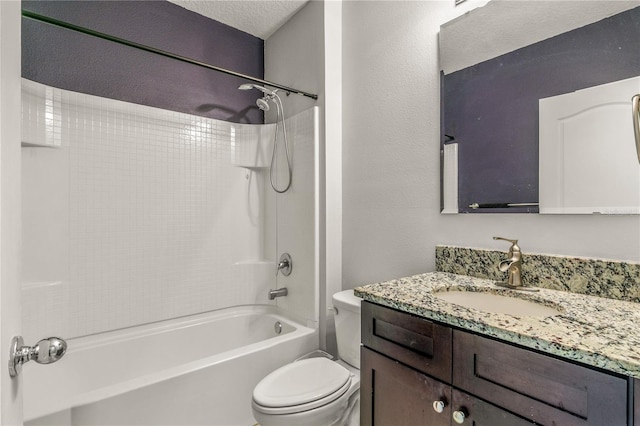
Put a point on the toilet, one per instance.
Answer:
(317, 391)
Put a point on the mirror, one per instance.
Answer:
(504, 64)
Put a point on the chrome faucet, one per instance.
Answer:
(512, 266)
(285, 264)
(279, 292)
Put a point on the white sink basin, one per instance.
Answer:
(497, 304)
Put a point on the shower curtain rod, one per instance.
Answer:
(118, 40)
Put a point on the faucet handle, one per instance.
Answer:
(514, 244)
(506, 239)
(514, 249)
(285, 264)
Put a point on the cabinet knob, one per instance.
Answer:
(438, 406)
(460, 415)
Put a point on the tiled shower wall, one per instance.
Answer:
(135, 214)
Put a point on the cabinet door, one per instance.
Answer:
(535, 386)
(480, 413)
(395, 395)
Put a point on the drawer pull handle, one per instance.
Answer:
(438, 406)
(460, 415)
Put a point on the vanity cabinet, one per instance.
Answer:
(416, 371)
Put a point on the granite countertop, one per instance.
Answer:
(596, 331)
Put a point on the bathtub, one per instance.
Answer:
(189, 371)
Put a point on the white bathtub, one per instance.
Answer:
(188, 371)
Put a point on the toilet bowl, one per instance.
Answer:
(317, 391)
(314, 392)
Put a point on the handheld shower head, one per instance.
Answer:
(249, 86)
(263, 104)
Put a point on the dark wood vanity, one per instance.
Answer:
(415, 371)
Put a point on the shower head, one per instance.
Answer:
(263, 104)
(263, 89)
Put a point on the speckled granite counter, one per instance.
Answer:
(601, 332)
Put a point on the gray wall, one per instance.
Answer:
(73, 61)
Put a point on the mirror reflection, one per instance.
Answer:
(505, 64)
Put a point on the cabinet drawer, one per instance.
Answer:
(412, 340)
(537, 387)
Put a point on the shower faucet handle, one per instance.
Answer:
(46, 351)
(285, 264)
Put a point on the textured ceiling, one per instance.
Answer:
(260, 18)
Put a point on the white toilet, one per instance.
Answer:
(317, 391)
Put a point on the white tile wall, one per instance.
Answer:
(140, 214)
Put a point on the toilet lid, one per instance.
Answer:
(301, 382)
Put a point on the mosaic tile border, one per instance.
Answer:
(594, 277)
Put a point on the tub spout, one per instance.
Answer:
(279, 292)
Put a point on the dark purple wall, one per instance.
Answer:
(492, 108)
(82, 63)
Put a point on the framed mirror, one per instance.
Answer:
(499, 64)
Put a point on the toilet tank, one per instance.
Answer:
(347, 320)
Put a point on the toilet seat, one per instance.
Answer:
(301, 386)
